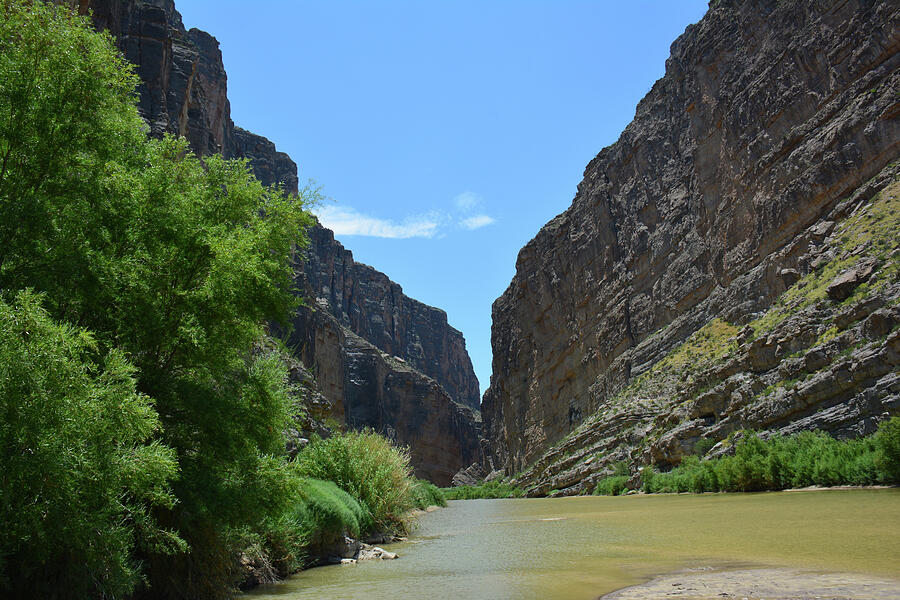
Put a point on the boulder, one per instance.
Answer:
(843, 285)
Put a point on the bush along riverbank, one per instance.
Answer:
(777, 463)
(489, 489)
(348, 489)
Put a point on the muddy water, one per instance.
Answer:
(584, 547)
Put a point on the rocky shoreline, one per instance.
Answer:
(771, 584)
(344, 551)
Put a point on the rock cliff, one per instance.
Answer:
(685, 292)
(375, 308)
(378, 358)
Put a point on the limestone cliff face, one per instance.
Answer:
(380, 358)
(714, 201)
(269, 165)
(375, 308)
(183, 89)
(184, 85)
(387, 361)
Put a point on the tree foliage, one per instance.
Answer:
(80, 474)
(174, 266)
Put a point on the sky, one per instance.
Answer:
(442, 134)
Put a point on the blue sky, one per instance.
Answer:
(444, 134)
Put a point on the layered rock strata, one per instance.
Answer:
(375, 308)
(716, 200)
(373, 357)
(810, 362)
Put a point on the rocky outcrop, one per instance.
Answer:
(184, 85)
(372, 356)
(375, 308)
(183, 81)
(810, 362)
(269, 165)
(717, 199)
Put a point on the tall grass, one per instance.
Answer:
(324, 507)
(349, 484)
(781, 462)
(320, 516)
(366, 466)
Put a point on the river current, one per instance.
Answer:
(584, 547)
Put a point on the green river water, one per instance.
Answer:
(584, 547)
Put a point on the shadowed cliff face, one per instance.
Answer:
(387, 361)
(375, 308)
(769, 114)
(184, 85)
(352, 341)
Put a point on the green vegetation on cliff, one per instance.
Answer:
(141, 444)
(780, 462)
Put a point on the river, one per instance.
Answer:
(584, 547)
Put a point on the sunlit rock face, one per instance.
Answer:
(379, 358)
(718, 197)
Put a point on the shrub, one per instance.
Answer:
(647, 476)
(887, 456)
(781, 462)
(611, 486)
(703, 446)
(366, 466)
(491, 489)
(425, 494)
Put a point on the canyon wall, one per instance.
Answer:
(775, 124)
(378, 358)
(375, 308)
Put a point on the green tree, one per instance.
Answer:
(79, 475)
(173, 263)
(68, 122)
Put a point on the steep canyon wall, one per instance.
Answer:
(775, 123)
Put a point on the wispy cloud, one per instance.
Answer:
(346, 220)
(467, 201)
(477, 222)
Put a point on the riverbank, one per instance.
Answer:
(771, 584)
